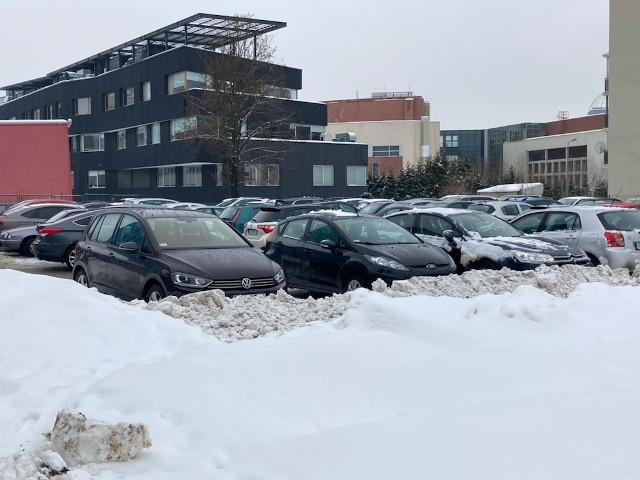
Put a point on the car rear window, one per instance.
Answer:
(625, 220)
(267, 215)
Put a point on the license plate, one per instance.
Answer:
(251, 231)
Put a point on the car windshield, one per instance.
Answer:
(485, 225)
(194, 232)
(374, 231)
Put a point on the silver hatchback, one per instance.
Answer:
(609, 235)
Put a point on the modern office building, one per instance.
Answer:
(128, 112)
(395, 125)
(455, 144)
(623, 84)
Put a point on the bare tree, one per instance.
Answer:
(240, 111)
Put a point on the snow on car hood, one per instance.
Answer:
(498, 249)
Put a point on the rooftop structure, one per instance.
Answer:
(201, 30)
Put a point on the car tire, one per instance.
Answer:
(354, 281)
(26, 249)
(80, 276)
(485, 264)
(70, 256)
(154, 293)
(594, 261)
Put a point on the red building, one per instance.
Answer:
(34, 160)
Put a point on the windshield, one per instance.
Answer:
(194, 232)
(371, 208)
(374, 231)
(485, 225)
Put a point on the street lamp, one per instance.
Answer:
(566, 167)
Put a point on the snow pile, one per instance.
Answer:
(246, 317)
(80, 441)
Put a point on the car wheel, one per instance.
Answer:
(70, 256)
(26, 249)
(154, 293)
(354, 282)
(485, 264)
(81, 277)
(594, 261)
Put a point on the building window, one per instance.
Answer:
(155, 133)
(262, 175)
(122, 139)
(127, 96)
(141, 136)
(375, 168)
(58, 109)
(386, 151)
(323, 175)
(109, 101)
(450, 141)
(167, 177)
(192, 176)
(82, 106)
(356, 176)
(35, 114)
(48, 112)
(217, 174)
(182, 128)
(145, 90)
(73, 143)
(92, 142)
(181, 81)
(97, 179)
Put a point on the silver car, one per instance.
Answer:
(609, 235)
(32, 214)
(504, 209)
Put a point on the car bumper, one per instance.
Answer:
(11, 245)
(619, 258)
(51, 253)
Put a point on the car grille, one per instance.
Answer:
(256, 284)
(570, 259)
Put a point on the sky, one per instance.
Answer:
(480, 64)
(487, 375)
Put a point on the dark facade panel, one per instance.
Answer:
(142, 162)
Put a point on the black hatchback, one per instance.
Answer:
(149, 253)
(339, 252)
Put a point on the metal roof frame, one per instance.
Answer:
(202, 29)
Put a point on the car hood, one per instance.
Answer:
(409, 254)
(531, 244)
(221, 263)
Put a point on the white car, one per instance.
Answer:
(501, 208)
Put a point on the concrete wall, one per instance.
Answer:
(411, 135)
(624, 100)
(587, 146)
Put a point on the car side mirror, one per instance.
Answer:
(130, 246)
(448, 234)
(328, 244)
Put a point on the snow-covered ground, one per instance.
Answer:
(487, 375)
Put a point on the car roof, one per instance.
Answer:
(151, 211)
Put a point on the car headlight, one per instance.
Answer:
(188, 280)
(386, 262)
(5, 236)
(279, 277)
(528, 257)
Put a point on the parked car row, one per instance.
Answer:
(149, 251)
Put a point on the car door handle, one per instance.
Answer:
(571, 237)
(111, 254)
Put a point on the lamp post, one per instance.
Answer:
(566, 167)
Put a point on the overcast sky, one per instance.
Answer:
(480, 64)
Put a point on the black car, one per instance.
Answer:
(338, 252)
(149, 253)
(56, 239)
(480, 240)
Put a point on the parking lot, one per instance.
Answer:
(33, 265)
